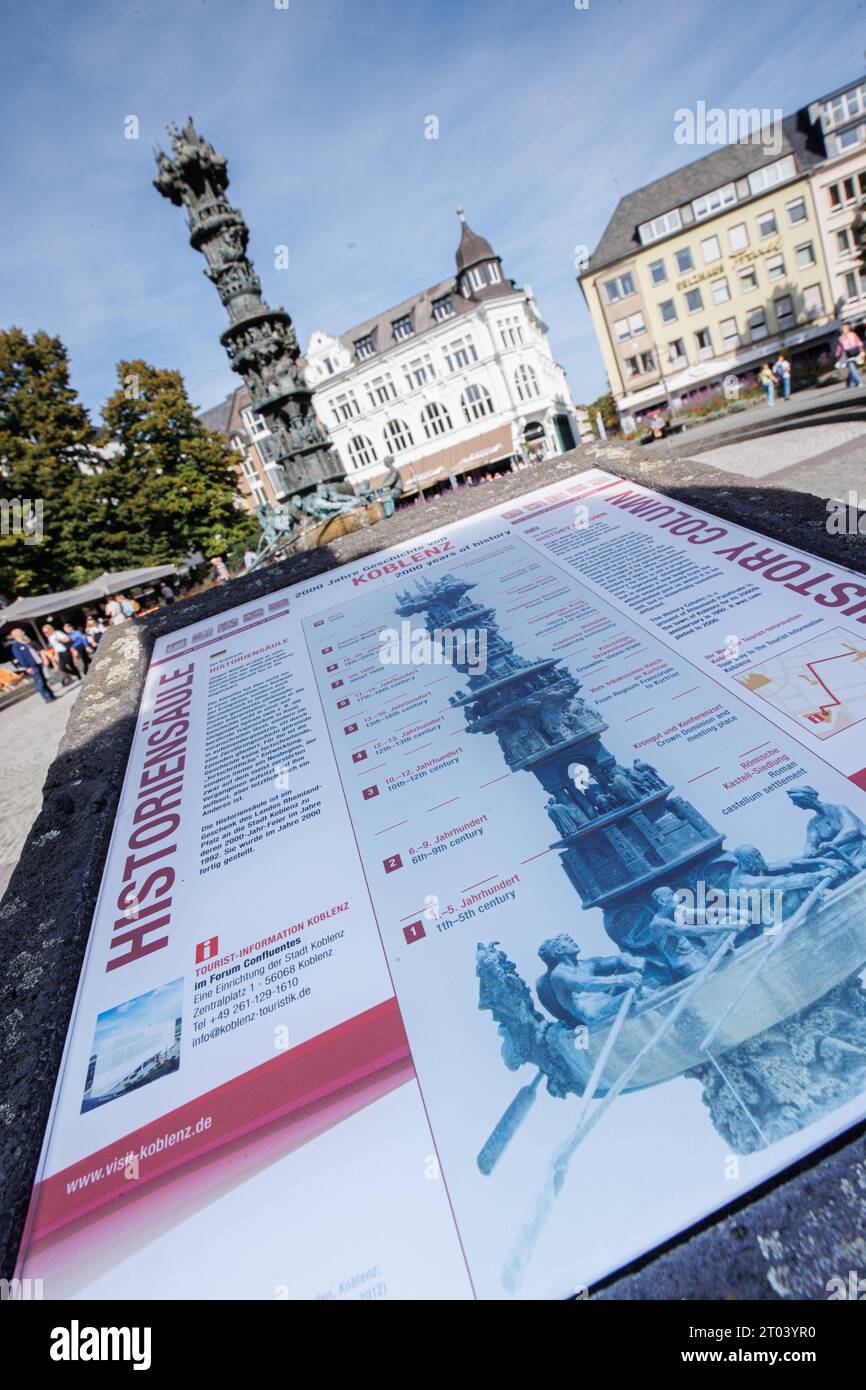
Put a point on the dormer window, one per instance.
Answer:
(442, 308)
(365, 347)
(402, 327)
(660, 226)
(475, 278)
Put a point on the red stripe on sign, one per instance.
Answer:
(859, 779)
(323, 1065)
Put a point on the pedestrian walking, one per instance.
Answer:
(30, 659)
(80, 645)
(62, 648)
(768, 381)
(849, 351)
(782, 373)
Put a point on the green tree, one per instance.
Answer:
(167, 485)
(606, 407)
(45, 446)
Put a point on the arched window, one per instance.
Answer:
(526, 382)
(398, 436)
(477, 402)
(435, 419)
(361, 451)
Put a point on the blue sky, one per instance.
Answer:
(547, 114)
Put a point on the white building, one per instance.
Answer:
(459, 379)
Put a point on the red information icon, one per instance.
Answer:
(369, 792)
(392, 863)
(360, 756)
(206, 949)
(414, 932)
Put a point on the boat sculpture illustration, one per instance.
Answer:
(766, 1013)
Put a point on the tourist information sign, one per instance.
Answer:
(477, 916)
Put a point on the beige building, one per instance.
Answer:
(707, 272)
(840, 188)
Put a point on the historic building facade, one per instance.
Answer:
(707, 272)
(840, 191)
(457, 380)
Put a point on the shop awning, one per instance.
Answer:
(44, 604)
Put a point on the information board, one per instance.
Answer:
(477, 916)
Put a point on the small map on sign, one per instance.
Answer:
(821, 684)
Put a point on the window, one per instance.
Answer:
(403, 327)
(511, 331)
(767, 224)
(420, 372)
(494, 274)
(757, 324)
(398, 436)
(619, 288)
(847, 139)
(784, 307)
(854, 287)
(660, 226)
(805, 255)
(460, 353)
(730, 334)
(843, 242)
(710, 250)
(361, 451)
(668, 311)
(813, 301)
(842, 108)
(712, 202)
(677, 353)
(771, 174)
(721, 290)
(705, 343)
(435, 419)
(476, 402)
(748, 279)
(694, 301)
(381, 390)
(684, 260)
(475, 278)
(527, 383)
(632, 327)
(775, 267)
(738, 236)
(328, 365)
(364, 347)
(658, 273)
(256, 425)
(849, 190)
(797, 212)
(442, 308)
(346, 407)
(641, 364)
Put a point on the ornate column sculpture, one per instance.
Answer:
(260, 341)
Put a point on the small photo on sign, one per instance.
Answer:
(133, 1044)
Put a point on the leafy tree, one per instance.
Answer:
(45, 440)
(606, 407)
(167, 485)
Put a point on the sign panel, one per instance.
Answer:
(477, 917)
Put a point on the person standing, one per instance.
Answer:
(113, 611)
(849, 349)
(782, 371)
(80, 645)
(62, 648)
(167, 592)
(94, 630)
(768, 381)
(221, 571)
(29, 658)
(249, 558)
